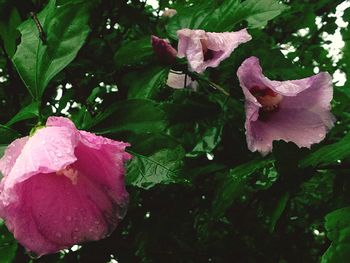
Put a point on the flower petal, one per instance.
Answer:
(320, 92)
(64, 214)
(106, 164)
(163, 49)
(11, 154)
(300, 126)
(250, 75)
(194, 43)
(60, 122)
(190, 46)
(224, 44)
(49, 150)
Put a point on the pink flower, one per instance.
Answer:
(293, 111)
(62, 186)
(205, 49)
(164, 51)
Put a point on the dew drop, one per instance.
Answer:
(69, 218)
(58, 234)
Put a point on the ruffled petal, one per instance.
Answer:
(300, 126)
(223, 44)
(64, 213)
(11, 154)
(49, 150)
(194, 43)
(190, 46)
(106, 164)
(250, 76)
(60, 122)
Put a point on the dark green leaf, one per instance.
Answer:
(278, 211)
(233, 184)
(259, 12)
(7, 134)
(133, 53)
(139, 116)
(8, 245)
(157, 159)
(338, 231)
(210, 139)
(66, 29)
(28, 112)
(145, 84)
(329, 153)
(220, 17)
(9, 33)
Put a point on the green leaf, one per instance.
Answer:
(28, 112)
(136, 52)
(210, 139)
(9, 33)
(157, 159)
(7, 134)
(206, 15)
(261, 11)
(8, 245)
(66, 29)
(233, 185)
(328, 154)
(145, 84)
(338, 231)
(223, 16)
(278, 211)
(196, 121)
(138, 116)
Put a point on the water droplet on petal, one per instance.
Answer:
(58, 234)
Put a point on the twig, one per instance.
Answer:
(42, 34)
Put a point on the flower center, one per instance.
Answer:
(70, 173)
(207, 53)
(269, 99)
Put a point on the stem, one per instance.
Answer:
(334, 167)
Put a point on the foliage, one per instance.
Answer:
(197, 193)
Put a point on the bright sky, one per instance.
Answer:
(153, 3)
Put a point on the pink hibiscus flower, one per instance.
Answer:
(62, 186)
(163, 49)
(206, 49)
(293, 111)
